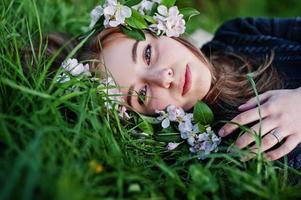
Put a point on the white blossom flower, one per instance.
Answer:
(75, 68)
(185, 123)
(205, 143)
(190, 134)
(123, 112)
(164, 118)
(115, 13)
(175, 113)
(171, 145)
(168, 21)
(185, 126)
(145, 5)
(201, 144)
(95, 14)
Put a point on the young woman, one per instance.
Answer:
(168, 71)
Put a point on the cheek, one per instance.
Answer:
(158, 104)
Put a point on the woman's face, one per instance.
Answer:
(161, 70)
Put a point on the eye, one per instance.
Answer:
(148, 53)
(142, 94)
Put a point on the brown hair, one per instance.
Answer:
(230, 86)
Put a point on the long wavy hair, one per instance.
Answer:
(230, 86)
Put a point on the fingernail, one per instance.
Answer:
(221, 132)
(238, 144)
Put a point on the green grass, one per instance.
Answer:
(55, 145)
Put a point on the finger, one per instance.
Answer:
(248, 156)
(267, 142)
(290, 143)
(243, 119)
(252, 103)
(247, 138)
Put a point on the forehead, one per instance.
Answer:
(117, 57)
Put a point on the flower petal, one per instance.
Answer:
(126, 12)
(114, 23)
(95, 14)
(190, 141)
(165, 123)
(162, 10)
(109, 10)
(171, 146)
(173, 11)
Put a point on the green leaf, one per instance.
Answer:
(151, 120)
(146, 127)
(149, 19)
(136, 20)
(188, 13)
(153, 10)
(131, 3)
(168, 3)
(168, 137)
(202, 113)
(201, 127)
(134, 33)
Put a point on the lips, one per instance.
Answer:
(187, 81)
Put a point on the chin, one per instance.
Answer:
(189, 106)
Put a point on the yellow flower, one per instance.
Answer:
(96, 167)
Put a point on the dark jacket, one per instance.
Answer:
(257, 38)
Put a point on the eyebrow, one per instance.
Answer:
(134, 51)
(134, 58)
(129, 95)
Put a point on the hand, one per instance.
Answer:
(280, 111)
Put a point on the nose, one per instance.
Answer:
(161, 77)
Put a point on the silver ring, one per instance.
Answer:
(277, 135)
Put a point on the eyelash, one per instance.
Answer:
(142, 93)
(148, 52)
